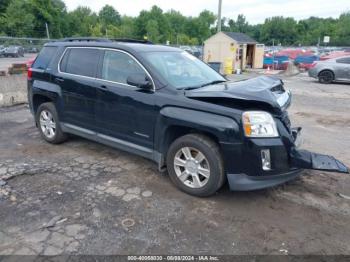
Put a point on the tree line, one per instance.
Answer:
(28, 18)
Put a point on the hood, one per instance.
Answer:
(263, 89)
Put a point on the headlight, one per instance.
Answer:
(259, 124)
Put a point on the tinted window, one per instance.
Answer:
(345, 60)
(80, 61)
(44, 57)
(118, 66)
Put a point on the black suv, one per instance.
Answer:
(166, 105)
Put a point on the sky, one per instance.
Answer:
(255, 10)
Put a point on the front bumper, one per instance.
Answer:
(287, 161)
(243, 182)
(312, 72)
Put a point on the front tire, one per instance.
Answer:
(195, 165)
(49, 127)
(326, 77)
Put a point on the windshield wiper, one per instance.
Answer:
(206, 84)
(191, 87)
(214, 82)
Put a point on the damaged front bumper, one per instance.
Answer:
(287, 162)
(243, 182)
(309, 160)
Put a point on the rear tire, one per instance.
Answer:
(195, 165)
(49, 127)
(326, 77)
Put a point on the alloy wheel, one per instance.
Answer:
(326, 77)
(47, 124)
(191, 167)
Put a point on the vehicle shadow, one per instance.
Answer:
(334, 82)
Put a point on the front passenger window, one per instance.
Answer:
(118, 66)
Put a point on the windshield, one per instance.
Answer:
(182, 70)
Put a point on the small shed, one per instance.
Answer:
(234, 51)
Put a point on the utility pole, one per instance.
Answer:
(47, 31)
(219, 16)
(273, 54)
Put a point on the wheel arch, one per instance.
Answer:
(39, 99)
(324, 70)
(174, 122)
(173, 132)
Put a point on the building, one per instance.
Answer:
(234, 51)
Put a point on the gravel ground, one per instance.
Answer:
(85, 198)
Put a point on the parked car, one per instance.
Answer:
(163, 104)
(275, 62)
(327, 71)
(305, 61)
(14, 51)
(2, 50)
(32, 50)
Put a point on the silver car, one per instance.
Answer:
(336, 69)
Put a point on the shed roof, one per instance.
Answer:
(240, 37)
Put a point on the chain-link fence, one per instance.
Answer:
(29, 45)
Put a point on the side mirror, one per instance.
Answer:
(139, 80)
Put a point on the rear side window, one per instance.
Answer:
(345, 60)
(44, 57)
(80, 61)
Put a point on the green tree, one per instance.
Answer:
(152, 31)
(81, 21)
(28, 18)
(343, 30)
(241, 24)
(281, 30)
(176, 23)
(232, 25)
(96, 30)
(127, 27)
(143, 27)
(109, 16)
(204, 21)
(18, 22)
(3, 5)
(51, 12)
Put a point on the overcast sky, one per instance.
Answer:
(255, 10)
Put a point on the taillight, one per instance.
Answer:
(29, 74)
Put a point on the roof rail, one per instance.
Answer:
(97, 39)
(130, 40)
(85, 39)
